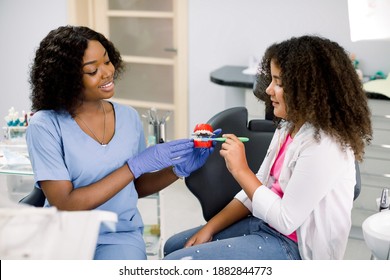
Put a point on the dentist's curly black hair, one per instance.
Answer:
(321, 87)
(56, 73)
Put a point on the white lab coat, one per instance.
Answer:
(318, 180)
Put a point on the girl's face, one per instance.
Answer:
(98, 78)
(276, 93)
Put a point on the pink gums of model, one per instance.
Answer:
(203, 130)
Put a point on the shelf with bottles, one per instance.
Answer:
(15, 134)
(152, 234)
(149, 208)
(14, 131)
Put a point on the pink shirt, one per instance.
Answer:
(275, 174)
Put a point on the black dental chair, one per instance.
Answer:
(212, 184)
(35, 198)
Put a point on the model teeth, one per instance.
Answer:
(199, 134)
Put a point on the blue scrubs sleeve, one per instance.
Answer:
(45, 149)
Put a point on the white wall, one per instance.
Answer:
(23, 24)
(227, 32)
(221, 32)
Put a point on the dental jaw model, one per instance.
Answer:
(201, 131)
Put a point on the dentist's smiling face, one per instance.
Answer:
(98, 78)
(276, 93)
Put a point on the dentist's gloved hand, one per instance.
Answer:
(160, 156)
(196, 159)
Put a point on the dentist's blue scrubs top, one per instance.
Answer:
(60, 150)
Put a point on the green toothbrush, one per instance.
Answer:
(220, 139)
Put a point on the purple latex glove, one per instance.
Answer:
(160, 156)
(196, 159)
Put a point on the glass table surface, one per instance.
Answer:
(14, 159)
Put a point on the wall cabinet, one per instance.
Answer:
(375, 169)
(152, 39)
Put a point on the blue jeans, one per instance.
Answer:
(248, 239)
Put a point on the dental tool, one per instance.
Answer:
(384, 202)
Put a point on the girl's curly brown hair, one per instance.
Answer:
(321, 87)
(56, 73)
